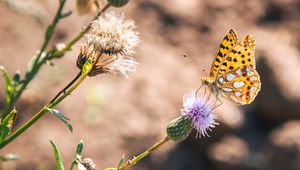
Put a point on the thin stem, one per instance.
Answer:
(50, 55)
(72, 164)
(48, 37)
(64, 89)
(42, 112)
(133, 161)
(30, 75)
(78, 36)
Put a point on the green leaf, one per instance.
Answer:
(9, 86)
(16, 77)
(66, 14)
(49, 31)
(79, 147)
(111, 169)
(30, 66)
(59, 115)
(4, 130)
(7, 124)
(121, 162)
(58, 160)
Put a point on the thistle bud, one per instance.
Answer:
(179, 128)
(117, 3)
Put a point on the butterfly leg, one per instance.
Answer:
(218, 100)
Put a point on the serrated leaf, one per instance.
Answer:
(59, 115)
(49, 31)
(66, 14)
(58, 160)
(79, 148)
(121, 162)
(9, 86)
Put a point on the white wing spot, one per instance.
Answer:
(238, 94)
(239, 72)
(238, 84)
(253, 89)
(250, 73)
(253, 78)
(221, 80)
(230, 77)
(227, 89)
(247, 69)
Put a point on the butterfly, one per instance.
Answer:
(233, 71)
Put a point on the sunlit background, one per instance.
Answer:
(116, 116)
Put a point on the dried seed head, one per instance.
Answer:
(104, 63)
(112, 34)
(87, 164)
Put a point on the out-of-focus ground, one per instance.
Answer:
(114, 115)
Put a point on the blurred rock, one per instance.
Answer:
(283, 149)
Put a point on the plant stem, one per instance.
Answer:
(50, 55)
(72, 165)
(64, 89)
(36, 66)
(43, 111)
(78, 36)
(133, 161)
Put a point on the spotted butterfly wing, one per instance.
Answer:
(237, 78)
(229, 41)
(240, 55)
(240, 85)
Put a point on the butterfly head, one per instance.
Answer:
(207, 81)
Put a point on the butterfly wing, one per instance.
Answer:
(240, 85)
(229, 40)
(240, 55)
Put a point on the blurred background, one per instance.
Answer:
(116, 116)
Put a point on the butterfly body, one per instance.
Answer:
(233, 71)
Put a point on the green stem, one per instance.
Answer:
(72, 165)
(57, 17)
(37, 65)
(136, 159)
(43, 111)
(78, 36)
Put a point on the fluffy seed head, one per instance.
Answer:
(113, 34)
(199, 110)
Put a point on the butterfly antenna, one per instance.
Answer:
(197, 91)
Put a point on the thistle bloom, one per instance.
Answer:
(110, 44)
(199, 110)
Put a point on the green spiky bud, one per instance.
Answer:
(179, 128)
(117, 3)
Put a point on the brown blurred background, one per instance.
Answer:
(114, 115)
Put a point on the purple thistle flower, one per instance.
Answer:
(199, 110)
